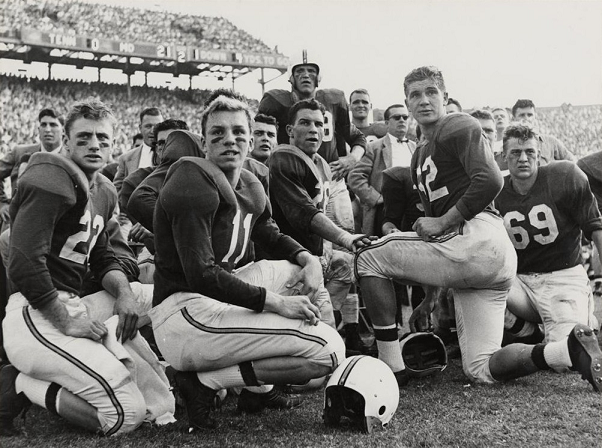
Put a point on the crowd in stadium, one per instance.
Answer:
(132, 24)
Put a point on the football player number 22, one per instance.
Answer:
(246, 225)
(541, 217)
(78, 246)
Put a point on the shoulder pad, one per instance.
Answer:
(51, 172)
(280, 95)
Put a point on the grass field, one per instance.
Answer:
(543, 410)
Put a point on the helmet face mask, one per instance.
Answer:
(364, 390)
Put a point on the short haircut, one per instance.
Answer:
(168, 124)
(359, 92)
(226, 104)
(49, 112)
(150, 111)
(522, 132)
(451, 100)
(138, 136)
(482, 114)
(393, 106)
(522, 104)
(311, 104)
(90, 109)
(267, 119)
(499, 108)
(422, 73)
(228, 93)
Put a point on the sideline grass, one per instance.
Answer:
(445, 410)
(546, 409)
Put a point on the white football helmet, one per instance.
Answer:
(362, 389)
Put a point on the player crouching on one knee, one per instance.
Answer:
(58, 343)
(253, 328)
(462, 244)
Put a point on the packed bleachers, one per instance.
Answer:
(123, 23)
(578, 127)
(21, 100)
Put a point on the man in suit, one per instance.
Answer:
(141, 156)
(50, 130)
(365, 180)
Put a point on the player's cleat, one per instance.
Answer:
(199, 400)
(11, 403)
(402, 377)
(586, 355)
(252, 403)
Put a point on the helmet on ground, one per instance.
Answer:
(423, 353)
(364, 390)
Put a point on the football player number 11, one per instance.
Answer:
(234, 242)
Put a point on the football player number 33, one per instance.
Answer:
(78, 246)
(541, 217)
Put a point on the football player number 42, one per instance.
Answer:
(541, 217)
(78, 246)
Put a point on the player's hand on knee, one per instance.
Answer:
(86, 328)
(353, 242)
(127, 310)
(293, 307)
(309, 279)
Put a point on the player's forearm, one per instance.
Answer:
(321, 225)
(116, 283)
(357, 152)
(56, 313)
(452, 218)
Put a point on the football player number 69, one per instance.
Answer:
(541, 217)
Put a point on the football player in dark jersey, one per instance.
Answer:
(338, 131)
(545, 210)
(219, 319)
(300, 185)
(60, 214)
(462, 244)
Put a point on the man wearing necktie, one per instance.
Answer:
(365, 180)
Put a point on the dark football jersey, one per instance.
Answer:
(545, 225)
(58, 226)
(456, 168)
(337, 126)
(300, 188)
(203, 228)
(402, 205)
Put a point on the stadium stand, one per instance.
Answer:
(116, 22)
(21, 99)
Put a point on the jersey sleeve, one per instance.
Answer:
(45, 193)
(141, 205)
(462, 136)
(573, 194)
(359, 178)
(190, 214)
(287, 173)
